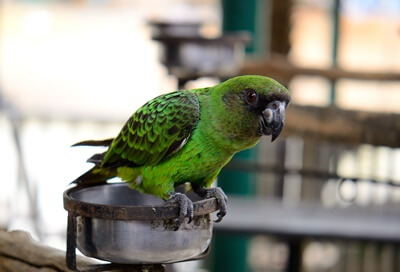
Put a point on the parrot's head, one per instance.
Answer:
(256, 105)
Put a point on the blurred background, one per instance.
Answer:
(324, 197)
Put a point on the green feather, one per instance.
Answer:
(135, 145)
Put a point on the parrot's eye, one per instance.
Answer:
(251, 96)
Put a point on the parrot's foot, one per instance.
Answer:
(217, 192)
(185, 207)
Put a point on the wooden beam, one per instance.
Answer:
(19, 252)
(332, 124)
(280, 68)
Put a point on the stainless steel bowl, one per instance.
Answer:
(120, 225)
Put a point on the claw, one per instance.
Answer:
(221, 197)
(185, 208)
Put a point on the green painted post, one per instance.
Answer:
(252, 16)
(229, 252)
(236, 182)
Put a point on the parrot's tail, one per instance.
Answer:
(105, 142)
(96, 175)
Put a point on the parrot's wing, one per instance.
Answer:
(156, 130)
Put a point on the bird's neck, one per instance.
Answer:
(215, 127)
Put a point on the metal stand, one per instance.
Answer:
(183, 46)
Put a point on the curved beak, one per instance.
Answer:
(273, 119)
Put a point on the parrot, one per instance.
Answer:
(187, 137)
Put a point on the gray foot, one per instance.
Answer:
(185, 207)
(217, 192)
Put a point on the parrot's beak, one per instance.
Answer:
(273, 119)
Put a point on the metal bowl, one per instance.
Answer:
(118, 224)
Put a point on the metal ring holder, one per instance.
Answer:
(80, 211)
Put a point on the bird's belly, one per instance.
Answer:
(198, 162)
(193, 166)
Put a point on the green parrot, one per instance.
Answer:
(188, 136)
